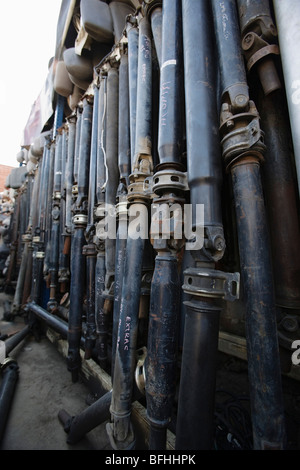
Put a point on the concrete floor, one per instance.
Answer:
(44, 387)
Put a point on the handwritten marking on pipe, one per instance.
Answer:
(296, 93)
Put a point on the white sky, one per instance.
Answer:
(28, 34)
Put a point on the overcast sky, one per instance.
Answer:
(28, 34)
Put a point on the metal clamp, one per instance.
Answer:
(212, 283)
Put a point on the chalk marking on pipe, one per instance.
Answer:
(168, 62)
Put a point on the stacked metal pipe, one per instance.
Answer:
(123, 225)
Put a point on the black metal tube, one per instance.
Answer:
(78, 268)
(93, 161)
(170, 125)
(281, 194)
(90, 248)
(79, 425)
(243, 156)
(124, 161)
(133, 45)
(10, 375)
(126, 346)
(90, 334)
(143, 135)
(162, 347)
(259, 38)
(202, 142)
(70, 172)
(55, 230)
(52, 321)
(77, 143)
(196, 404)
(156, 27)
(101, 324)
(14, 340)
(261, 330)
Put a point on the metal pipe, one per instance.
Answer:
(124, 163)
(243, 148)
(90, 248)
(79, 425)
(120, 430)
(160, 363)
(133, 45)
(101, 327)
(259, 41)
(287, 16)
(203, 283)
(77, 285)
(110, 186)
(10, 375)
(55, 229)
(281, 196)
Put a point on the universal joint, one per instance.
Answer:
(241, 133)
(259, 37)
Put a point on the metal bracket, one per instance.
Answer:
(212, 283)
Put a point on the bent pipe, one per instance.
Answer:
(78, 426)
(243, 157)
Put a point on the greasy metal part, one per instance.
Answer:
(259, 41)
(120, 430)
(10, 375)
(287, 16)
(79, 425)
(243, 149)
(77, 285)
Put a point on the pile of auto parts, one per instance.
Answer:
(162, 209)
